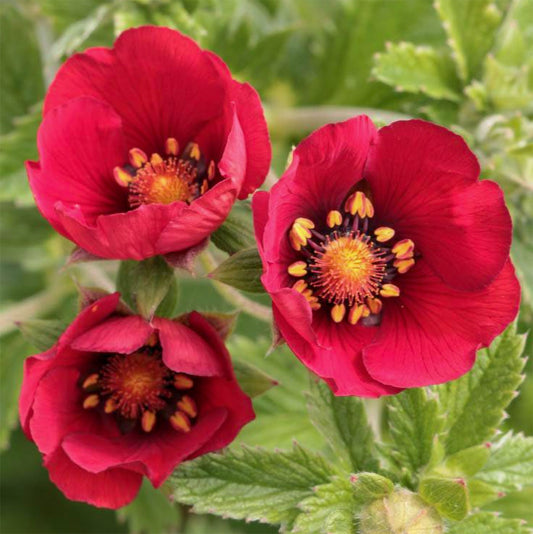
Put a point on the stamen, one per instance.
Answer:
(300, 286)
(359, 203)
(403, 266)
(193, 151)
(122, 177)
(180, 422)
(334, 218)
(183, 382)
(389, 290)
(156, 159)
(172, 146)
(298, 268)
(148, 421)
(110, 406)
(91, 401)
(90, 381)
(187, 405)
(374, 305)
(355, 314)
(137, 158)
(211, 170)
(384, 234)
(403, 249)
(338, 312)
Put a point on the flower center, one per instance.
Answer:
(139, 390)
(165, 180)
(349, 266)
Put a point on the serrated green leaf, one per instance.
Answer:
(481, 493)
(471, 27)
(243, 270)
(251, 379)
(150, 512)
(510, 465)
(330, 510)
(465, 463)
(236, 233)
(418, 69)
(414, 422)
(41, 333)
(370, 486)
(485, 523)
(144, 284)
(343, 423)
(448, 496)
(251, 484)
(21, 83)
(474, 404)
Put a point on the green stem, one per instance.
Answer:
(233, 296)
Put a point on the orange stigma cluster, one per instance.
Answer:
(139, 391)
(161, 180)
(349, 264)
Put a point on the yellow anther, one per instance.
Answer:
(211, 170)
(300, 286)
(404, 265)
(110, 406)
(306, 223)
(315, 305)
(183, 382)
(172, 146)
(299, 235)
(137, 157)
(148, 421)
(338, 312)
(186, 404)
(298, 268)
(355, 314)
(90, 381)
(194, 151)
(334, 218)
(204, 187)
(403, 249)
(122, 177)
(180, 422)
(389, 290)
(360, 204)
(156, 159)
(384, 233)
(374, 305)
(91, 401)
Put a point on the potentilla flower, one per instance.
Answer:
(386, 258)
(117, 398)
(145, 147)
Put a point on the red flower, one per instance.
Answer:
(386, 258)
(117, 398)
(145, 147)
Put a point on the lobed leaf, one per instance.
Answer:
(42, 333)
(251, 484)
(485, 523)
(343, 423)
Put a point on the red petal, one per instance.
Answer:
(431, 333)
(157, 454)
(424, 184)
(112, 488)
(260, 202)
(185, 351)
(79, 145)
(158, 81)
(118, 334)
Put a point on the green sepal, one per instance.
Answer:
(144, 285)
(243, 270)
(42, 333)
(236, 233)
(465, 463)
(223, 323)
(252, 380)
(370, 486)
(448, 496)
(489, 523)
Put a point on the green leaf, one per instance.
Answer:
(42, 333)
(485, 523)
(465, 463)
(251, 484)
(448, 496)
(150, 512)
(236, 233)
(21, 83)
(474, 404)
(252, 380)
(144, 284)
(414, 422)
(471, 28)
(330, 510)
(417, 69)
(343, 423)
(370, 486)
(243, 270)
(510, 465)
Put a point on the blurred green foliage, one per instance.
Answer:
(465, 64)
